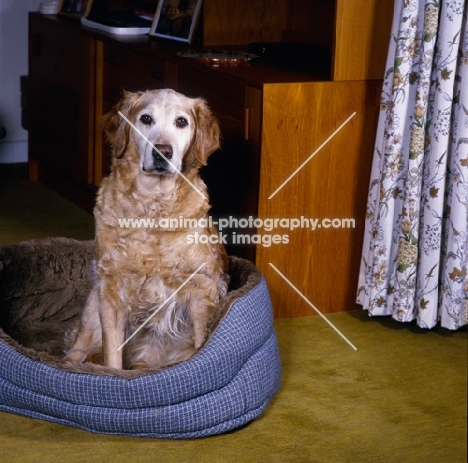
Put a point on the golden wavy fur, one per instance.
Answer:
(139, 269)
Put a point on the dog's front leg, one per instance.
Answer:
(113, 321)
(200, 322)
(88, 339)
(201, 302)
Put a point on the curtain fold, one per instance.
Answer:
(415, 254)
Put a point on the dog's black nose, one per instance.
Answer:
(165, 150)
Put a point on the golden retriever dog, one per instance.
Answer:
(149, 306)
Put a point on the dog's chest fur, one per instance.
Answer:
(152, 262)
(148, 280)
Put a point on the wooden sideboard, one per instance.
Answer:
(272, 119)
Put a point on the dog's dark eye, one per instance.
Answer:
(181, 122)
(146, 119)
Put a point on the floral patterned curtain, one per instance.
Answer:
(415, 256)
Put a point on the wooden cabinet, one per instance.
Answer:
(61, 136)
(272, 119)
(355, 32)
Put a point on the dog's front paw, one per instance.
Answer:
(75, 355)
(200, 336)
(78, 355)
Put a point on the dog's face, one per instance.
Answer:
(169, 125)
(171, 132)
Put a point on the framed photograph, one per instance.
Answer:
(75, 8)
(176, 19)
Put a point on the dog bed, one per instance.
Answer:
(229, 382)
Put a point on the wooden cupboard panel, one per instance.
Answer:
(227, 22)
(297, 118)
(244, 21)
(362, 35)
(274, 20)
(57, 139)
(62, 56)
(311, 21)
(61, 67)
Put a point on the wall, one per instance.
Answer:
(13, 64)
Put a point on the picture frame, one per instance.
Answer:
(75, 8)
(176, 19)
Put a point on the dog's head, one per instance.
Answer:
(165, 131)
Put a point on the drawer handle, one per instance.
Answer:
(246, 124)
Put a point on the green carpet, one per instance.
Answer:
(401, 397)
(29, 210)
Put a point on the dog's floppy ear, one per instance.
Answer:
(115, 127)
(207, 131)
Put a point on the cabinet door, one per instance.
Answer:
(62, 100)
(232, 173)
(325, 194)
(123, 69)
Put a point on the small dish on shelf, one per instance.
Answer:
(218, 57)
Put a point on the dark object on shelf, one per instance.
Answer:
(296, 56)
(119, 19)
